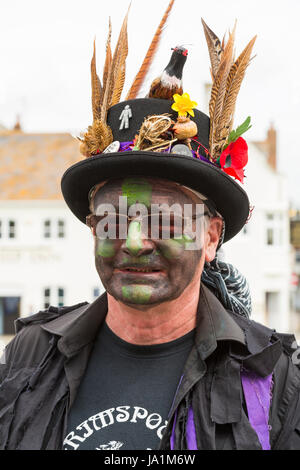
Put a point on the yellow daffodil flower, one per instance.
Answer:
(183, 104)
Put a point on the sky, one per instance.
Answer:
(46, 48)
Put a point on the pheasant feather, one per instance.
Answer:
(219, 91)
(108, 57)
(227, 79)
(116, 71)
(234, 81)
(215, 48)
(118, 63)
(99, 134)
(97, 91)
(140, 77)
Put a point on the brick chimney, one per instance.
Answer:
(17, 126)
(269, 146)
(271, 142)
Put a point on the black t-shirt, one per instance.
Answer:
(126, 393)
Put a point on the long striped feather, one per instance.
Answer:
(115, 82)
(119, 68)
(219, 89)
(234, 81)
(219, 76)
(215, 48)
(115, 67)
(97, 91)
(140, 77)
(108, 56)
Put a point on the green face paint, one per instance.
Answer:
(137, 191)
(173, 248)
(137, 294)
(105, 248)
(134, 239)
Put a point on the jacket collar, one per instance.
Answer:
(214, 324)
(255, 346)
(79, 327)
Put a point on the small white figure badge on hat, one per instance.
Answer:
(125, 115)
(113, 147)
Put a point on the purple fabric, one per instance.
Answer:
(190, 431)
(127, 146)
(172, 438)
(257, 391)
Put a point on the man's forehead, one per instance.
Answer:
(146, 183)
(143, 190)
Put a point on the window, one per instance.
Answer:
(47, 294)
(61, 229)
(11, 229)
(274, 228)
(61, 295)
(8, 229)
(272, 308)
(47, 228)
(9, 312)
(54, 296)
(270, 236)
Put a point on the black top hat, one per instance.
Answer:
(229, 199)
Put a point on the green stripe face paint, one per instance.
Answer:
(137, 294)
(134, 238)
(105, 248)
(137, 191)
(174, 248)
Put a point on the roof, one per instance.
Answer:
(31, 165)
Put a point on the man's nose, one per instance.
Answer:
(136, 244)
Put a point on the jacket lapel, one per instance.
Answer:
(77, 330)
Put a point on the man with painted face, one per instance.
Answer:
(152, 287)
(167, 358)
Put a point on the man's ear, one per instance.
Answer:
(214, 232)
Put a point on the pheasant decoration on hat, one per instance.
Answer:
(170, 81)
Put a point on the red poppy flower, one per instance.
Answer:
(234, 158)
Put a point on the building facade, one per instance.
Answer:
(295, 241)
(46, 254)
(262, 250)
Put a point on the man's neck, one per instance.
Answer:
(159, 324)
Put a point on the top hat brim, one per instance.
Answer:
(229, 198)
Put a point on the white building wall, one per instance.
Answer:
(30, 263)
(266, 267)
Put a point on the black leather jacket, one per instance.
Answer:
(46, 360)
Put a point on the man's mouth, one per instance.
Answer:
(140, 270)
